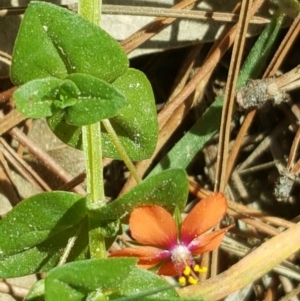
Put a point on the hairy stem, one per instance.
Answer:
(91, 137)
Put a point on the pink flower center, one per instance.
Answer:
(181, 257)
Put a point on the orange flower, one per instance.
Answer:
(155, 228)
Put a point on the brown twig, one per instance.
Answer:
(13, 290)
(44, 158)
(171, 116)
(151, 29)
(271, 70)
(229, 97)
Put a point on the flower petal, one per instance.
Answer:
(207, 242)
(154, 226)
(147, 255)
(206, 214)
(168, 269)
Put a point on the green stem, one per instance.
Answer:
(122, 152)
(91, 140)
(90, 10)
(91, 137)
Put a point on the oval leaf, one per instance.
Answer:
(136, 123)
(74, 281)
(42, 257)
(35, 99)
(36, 292)
(47, 32)
(38, 218)
(97, 100)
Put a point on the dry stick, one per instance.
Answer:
(24, 168)
(249, 268)
(184, 70)
(178, 107)
(227, 110)
(20, 170)
(175, 13)
(5, 95)
(152, 12)
(284, 47)
(229, 98)
(13, 290)
(293, 151)
(151, 29)
(44, 158)
(13, 118)
(73, 183)
(208, 289)
(260, 226)
(5, 58)
(10, 120)
(292, 294)
(233, 247)
(242, 210)
(7, 184)
(291, 166)
(278, 58)
(287, 286)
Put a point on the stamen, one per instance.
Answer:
(192, 280)
(189, 275)
(199, 269)
(187, 271)
(182, 281)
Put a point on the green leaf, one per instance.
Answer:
(167, 189)
(97, 100)
(38, 218)
(35, 99)
(36, 292)
(185, 150)
(41, 257)
(53, 41)
(74, 281)
(135, 123)
(106, 279)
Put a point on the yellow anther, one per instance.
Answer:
(192, 280)
(198, 269)
(182, 280)
(187, 271)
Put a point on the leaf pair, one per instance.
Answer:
(85, 99)
(75, 74)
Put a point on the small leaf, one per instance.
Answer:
(74, 281)
(36, 292)
(97, 100)
(68, 93)
(38, 218)
(135, 123)
(35, 99)
(167, 189)
(63, 43)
